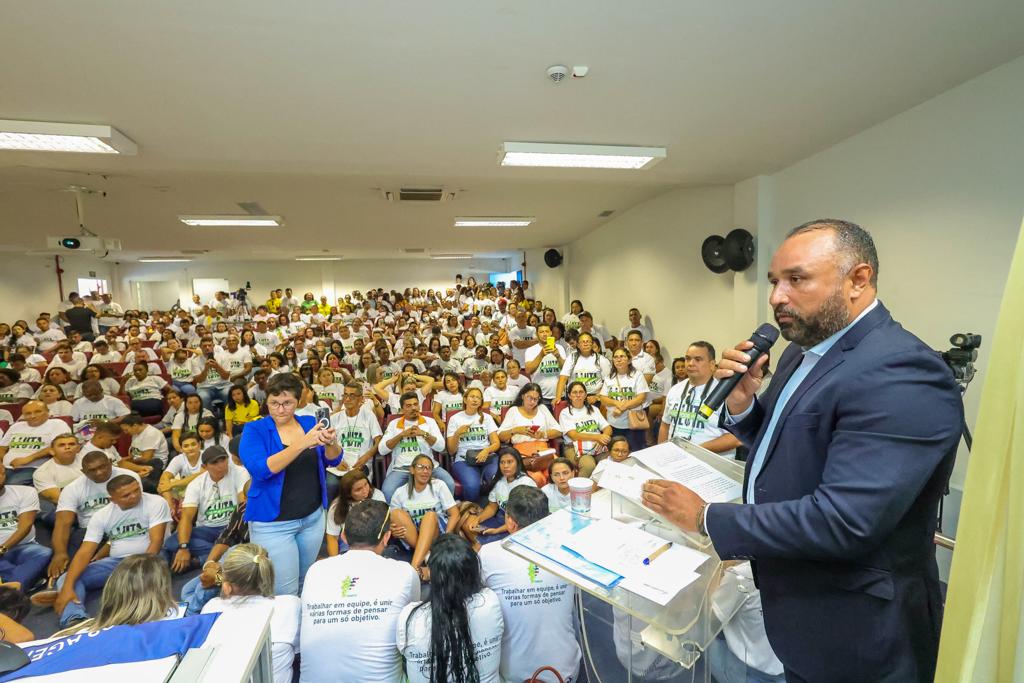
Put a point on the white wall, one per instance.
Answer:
(28, 284)
(649, 257)
(328, 277)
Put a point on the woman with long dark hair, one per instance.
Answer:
(490, 524)
(456, 636)
(353, 487)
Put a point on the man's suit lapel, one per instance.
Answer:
(831, 360)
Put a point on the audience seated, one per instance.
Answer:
(419, 386)
(133, 522)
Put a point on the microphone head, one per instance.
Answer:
(765, 336)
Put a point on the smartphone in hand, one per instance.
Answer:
(323, 417)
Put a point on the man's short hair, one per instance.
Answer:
(585, 314)
(92, 456)
(526, 505)
(111, 428)
(131, 420)
(853, 243)
(636, 332)
(407, 396)
(707, 346)
(124, 479)
(65, 435)
(364, 521)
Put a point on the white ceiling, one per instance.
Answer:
(308, 107)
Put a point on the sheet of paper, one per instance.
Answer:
(624, 480)
(656, 589)
(673, 463)
(615, 546)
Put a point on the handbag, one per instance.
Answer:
(531, 461)
(535, 677)
(638, 419)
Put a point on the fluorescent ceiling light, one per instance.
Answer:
(450, 256)
(579, 156)
(493, 221)
(161, 259)
(41, 136)
(241, 221)
(317, 258)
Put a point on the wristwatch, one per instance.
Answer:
(702, 528)
(183, 546)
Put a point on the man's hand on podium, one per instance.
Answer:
(674, 502)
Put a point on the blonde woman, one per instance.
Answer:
(247, 582)
(137, 592)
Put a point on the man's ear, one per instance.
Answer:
(511, 524)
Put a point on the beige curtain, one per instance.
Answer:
(982, 640)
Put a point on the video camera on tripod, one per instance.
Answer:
(960, 358)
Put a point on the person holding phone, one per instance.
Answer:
(544, 363)
(286, 456)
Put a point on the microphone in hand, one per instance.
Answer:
(763, 338)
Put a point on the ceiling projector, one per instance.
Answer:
(83, 243)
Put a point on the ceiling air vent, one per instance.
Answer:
(414, 250)
(419, 194)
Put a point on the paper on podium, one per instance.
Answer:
(623, 549)
(675, 464)
(625, 480)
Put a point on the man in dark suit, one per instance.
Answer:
(850, 449)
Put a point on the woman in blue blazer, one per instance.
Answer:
(286, 455)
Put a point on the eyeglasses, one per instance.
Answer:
(387, 516)
(423, 467)
(284, 405)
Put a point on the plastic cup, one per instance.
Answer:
(580, 489)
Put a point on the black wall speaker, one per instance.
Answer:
(712, 252)
(552, 258)
(739, 250)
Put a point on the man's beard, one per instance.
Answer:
(807, 332)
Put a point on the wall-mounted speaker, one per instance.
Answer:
(739, 250)
(552, 258)
(712, 252)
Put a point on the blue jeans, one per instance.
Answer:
(21, 475)
(471, 476)
(93, 578)
(397, 478)
(186, 388)
(24, 562)
(211, 395)
(195, 596)
(200, 543)
(292, 547)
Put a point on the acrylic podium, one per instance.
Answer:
(627, 637)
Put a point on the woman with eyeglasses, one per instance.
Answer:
(286, 455)
(421, 510)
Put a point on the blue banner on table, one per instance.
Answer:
(115, 645)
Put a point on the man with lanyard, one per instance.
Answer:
(357, 428)
(681, 419)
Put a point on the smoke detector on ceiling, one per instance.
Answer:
(558, 73)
